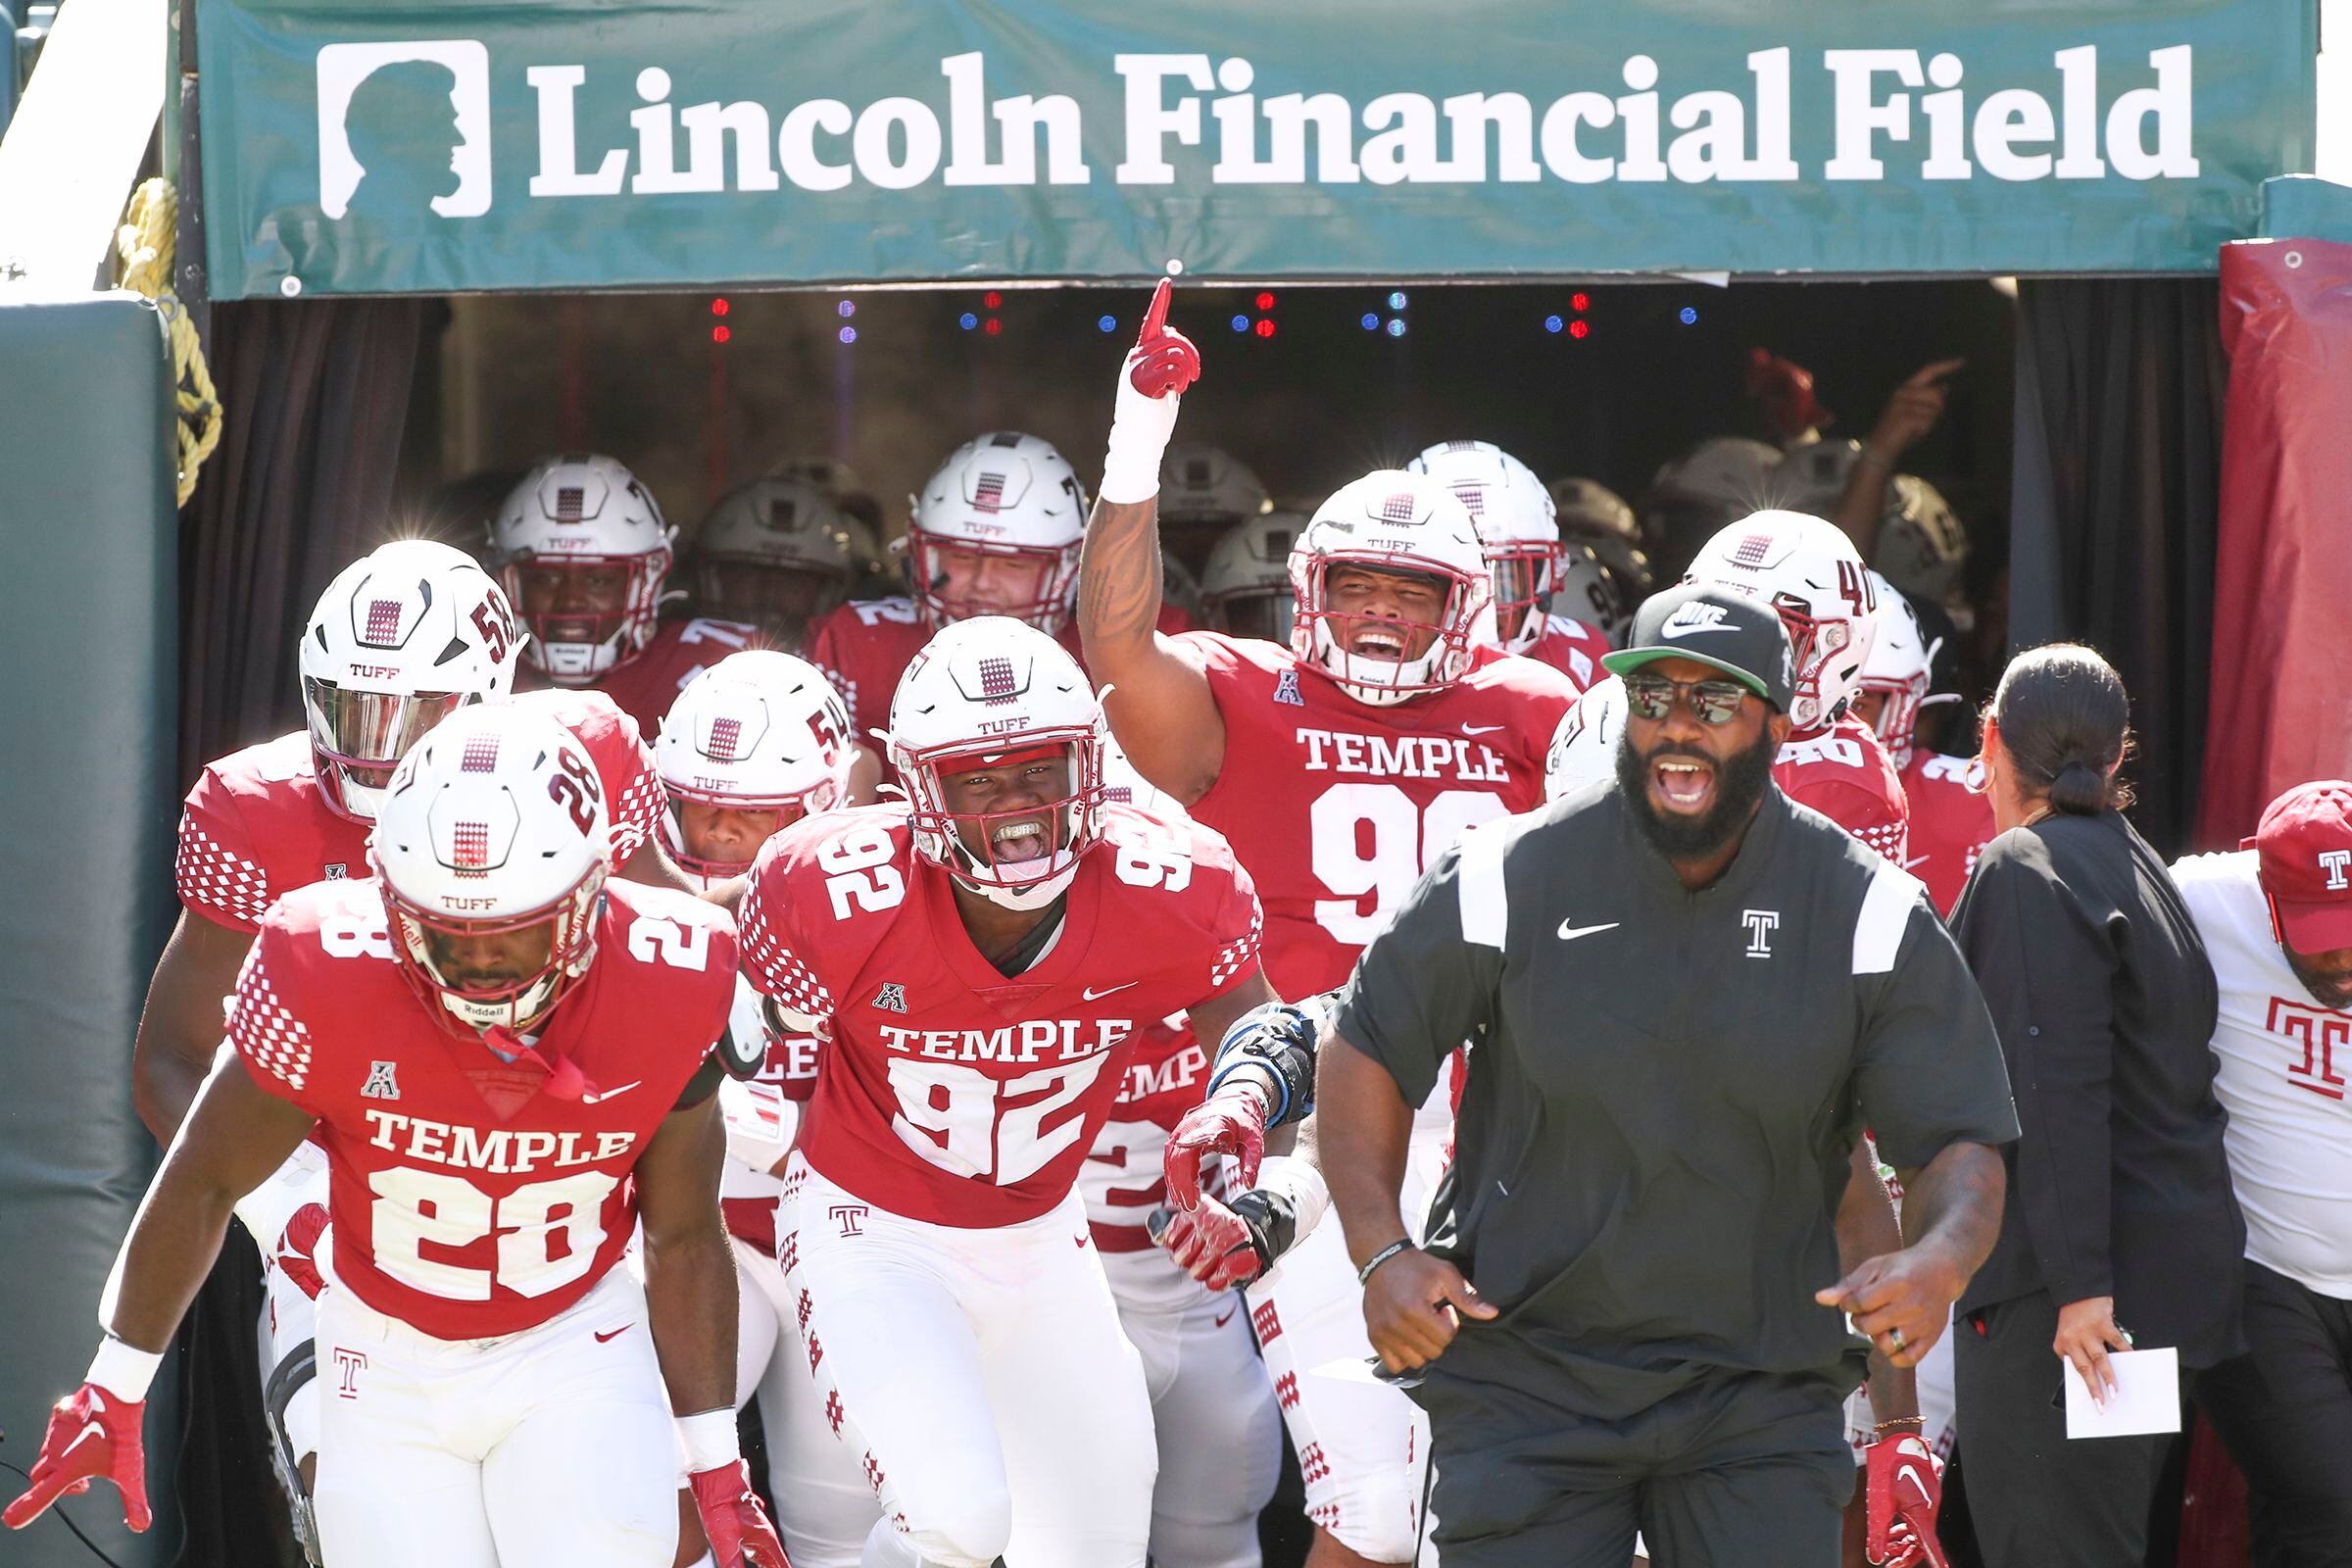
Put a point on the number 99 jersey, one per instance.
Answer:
(466, 1200)
(949, 1092)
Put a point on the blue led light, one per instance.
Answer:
(1552, 323)
(1396, 301)
(1371, 322)
(1395, 326)
(1688, 315)
(1240, 323)
(1108, 323)
(968, 321)
(849, 334)
(846, 308)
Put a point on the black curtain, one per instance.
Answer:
(315, 395)
(2116, 503)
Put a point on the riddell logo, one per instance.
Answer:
(404, 127)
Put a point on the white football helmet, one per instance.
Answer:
(1813, 472)
(1809, 570)
(1204, 484)
(1922, 544)
(1246, 590)
(1901, 665)
(494, 825)
(758, 731)
(1583, 749)
(1007, 496)
(1591, 592)
(1390, 520)
(1513, 514)
(983, 693)
(401, 639)
(1591, 512)
(776, 554)
(583, 552)
(1715, 482)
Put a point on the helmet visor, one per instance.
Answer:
(776, 598)
(368, 733)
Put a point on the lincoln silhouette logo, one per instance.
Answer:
(404, 128)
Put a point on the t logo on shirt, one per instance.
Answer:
(2333, 862)
(1761, 924)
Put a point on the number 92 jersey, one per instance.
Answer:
(1336, 807)
(466, 1201)
(948, 1093)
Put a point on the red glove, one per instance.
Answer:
(1906, 1488)
(1164, 362)
(295, 1248)
(1228, 1124)
(733, 1522)
(1211, 1244)
(90, 1434)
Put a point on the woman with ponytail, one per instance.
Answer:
(2121, 1227)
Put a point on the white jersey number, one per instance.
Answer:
(954, 1117)
(1371, 838)
(548, 1232)
(858, 861)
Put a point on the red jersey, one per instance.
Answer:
(645, 686)
(866, 644)
(466, 1202)
(1950, 823)
(1336, 806)
(1848, 777)
(1573, 648)
(257, 826)
(748, 1198)
(948, 1093)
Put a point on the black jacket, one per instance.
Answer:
(2105, 1002)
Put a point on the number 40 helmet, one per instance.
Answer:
(1806, 569)
(402, 638)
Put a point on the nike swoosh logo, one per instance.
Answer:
(1090, 994)
(606, 1339)
(89, 1430)
(609, 1094)
(1569, 933)
(1916, 860)
(1673, 633)
(1481, 729)
(1227, 1318)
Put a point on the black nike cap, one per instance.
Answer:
(1714, 627)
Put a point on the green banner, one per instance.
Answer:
(460, 144)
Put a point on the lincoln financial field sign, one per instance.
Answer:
(711, 143)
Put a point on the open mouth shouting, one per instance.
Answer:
(1025, 838)
(1682, 784)
(1378, 639)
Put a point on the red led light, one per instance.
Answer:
(991, 299)
(1579, 329)
(1266, 302)
(1265, 329)
(720, 334)
(719, 307)
(992, 327)
(1580, 302)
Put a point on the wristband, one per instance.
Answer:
(1400, 1245)
(1917, 1422)
(708, 1440)
(1292, 1178)
(123, 1370)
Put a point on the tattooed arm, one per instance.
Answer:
(1159, 704)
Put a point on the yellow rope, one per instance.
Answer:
(143, 248)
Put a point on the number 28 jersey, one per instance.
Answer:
(949, 1092)
(467, 1202)
(1336, 807)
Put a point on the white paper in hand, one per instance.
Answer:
(2146, 1400)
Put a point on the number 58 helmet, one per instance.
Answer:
(1390, 520)
(991, 692)
(759, 730)
(494, 827)
(1806, 569)
(402, 638)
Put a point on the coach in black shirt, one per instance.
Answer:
(1687, 998)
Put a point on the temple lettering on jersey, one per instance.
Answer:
(500, 1150)
(1441, 757)
(1024, 1042)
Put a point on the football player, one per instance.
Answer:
(584, 555)
(1204, 492)
(505, 1059)
(1212, 1405)
(774, 554)
(985, 954)
(1593, 512)
(398, 640)
(1951, 820)
(1513, 514)
(1246, 591)
(1717, 481)
(1337, 767)
(995, 532)
(760, 742)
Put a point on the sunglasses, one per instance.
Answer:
(1712, 702)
